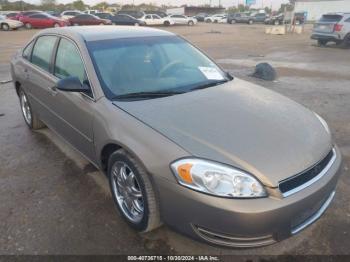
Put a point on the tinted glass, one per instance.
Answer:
(68, 61)
(38, 16)
(42, 51)
(148, 17)
(331, 18)
(151, 64)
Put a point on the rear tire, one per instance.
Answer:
(5, 27)
(345, 43)
(250, 22)
(28, 25)
(233, 21)
(122, 193)
(167, 23)
(30, 117)
(190, 23)
(56, 25)
(136, 24)
(322, 42)
(276, 22)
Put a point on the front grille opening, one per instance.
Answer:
(302, 178)
(233, 241)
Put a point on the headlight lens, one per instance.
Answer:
(324, 123)
(217, 179)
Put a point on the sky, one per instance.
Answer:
(226, 3)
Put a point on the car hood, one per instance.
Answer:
(240, 124)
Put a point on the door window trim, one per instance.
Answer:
(53, 59)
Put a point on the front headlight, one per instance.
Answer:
(216, 179)
(324, 123)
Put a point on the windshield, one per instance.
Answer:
(165, 65)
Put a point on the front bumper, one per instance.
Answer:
(246, 222)
(16, 26)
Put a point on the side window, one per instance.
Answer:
(28, 50)
(347, 20)
(68, 61)
(42, 51)
(148, 17)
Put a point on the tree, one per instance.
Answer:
(79, 5)
(286, 7)
(101, 6)
(48, 4)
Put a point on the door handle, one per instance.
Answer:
(26, 75)
(53, 90)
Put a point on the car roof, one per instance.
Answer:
(89, 33)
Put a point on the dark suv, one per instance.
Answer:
(240, 18)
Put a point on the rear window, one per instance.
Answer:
(331, 18)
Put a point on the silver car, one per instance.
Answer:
(181, 141)
(333, 27)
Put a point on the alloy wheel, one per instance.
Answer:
(26, 111)
(127, 191)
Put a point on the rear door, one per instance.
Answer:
(327, 23)
(38, 79)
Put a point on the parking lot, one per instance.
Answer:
(54, 202)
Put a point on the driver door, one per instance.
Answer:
(149, 20)
(72, 111)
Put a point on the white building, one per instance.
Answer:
(316, 8)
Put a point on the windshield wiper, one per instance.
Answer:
(206, 85)
(146, 95)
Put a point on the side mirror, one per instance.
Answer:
(72, 84)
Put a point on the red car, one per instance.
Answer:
(85, 19)
(42, 20)
(20, 15)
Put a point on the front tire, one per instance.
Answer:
(190, 23)
(167, 23)
(56, 25)
(250, 22)
(31, 119)
(28, 25)
(5, 27)
(276, 22)
(132, 192)
(322, 42)
(233, 21)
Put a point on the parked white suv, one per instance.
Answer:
(153, 19)
(333, 27)
(183, 20)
